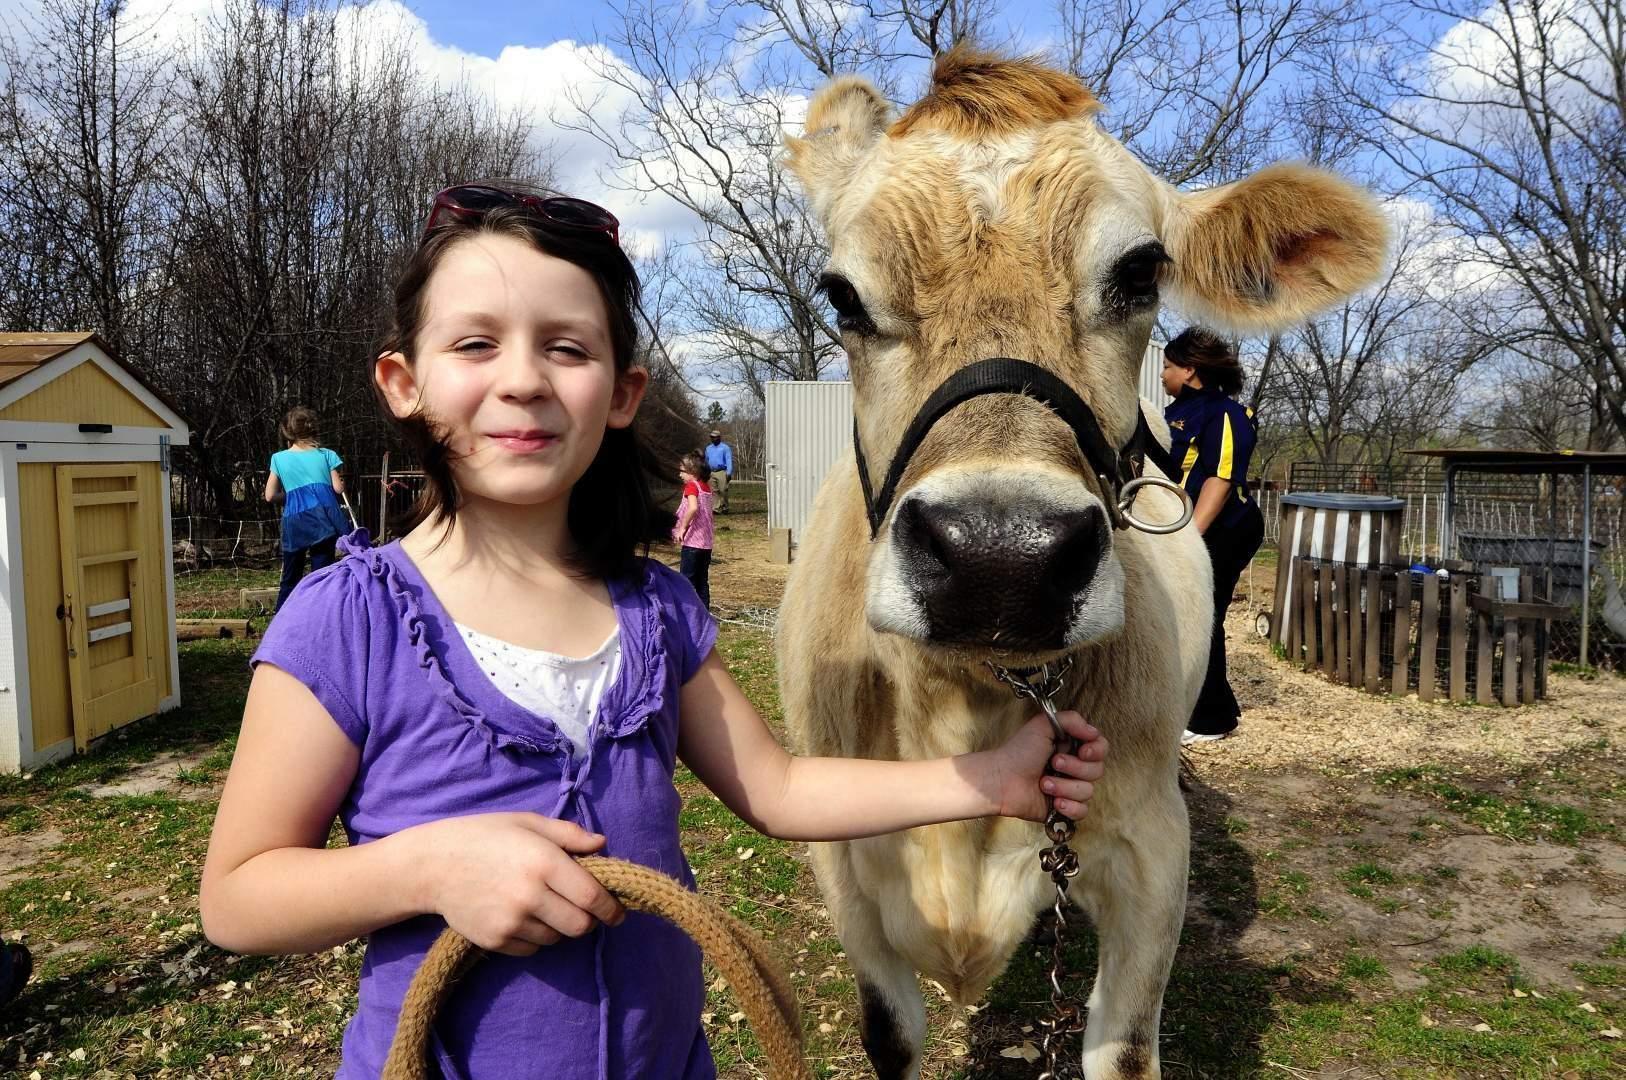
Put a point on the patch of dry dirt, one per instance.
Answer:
(21, 850)
(1334, 863)
(742, 578)
(160, 775)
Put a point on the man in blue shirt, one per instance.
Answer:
(720, 458)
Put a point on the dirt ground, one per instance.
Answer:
(1379, 888)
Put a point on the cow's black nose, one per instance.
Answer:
(1007, 576)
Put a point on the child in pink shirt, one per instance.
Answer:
(693, 531)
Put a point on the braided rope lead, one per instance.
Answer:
(764, 993)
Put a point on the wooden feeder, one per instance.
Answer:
(1346, 608)
(87, 595)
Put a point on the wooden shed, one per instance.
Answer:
(87, 589)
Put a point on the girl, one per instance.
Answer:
(1213, 437)
(693, 532)
(511, 685)
(311, 519)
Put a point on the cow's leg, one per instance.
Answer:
(1133, 883)
(892, 1013)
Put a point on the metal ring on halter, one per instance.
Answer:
(1126, 498)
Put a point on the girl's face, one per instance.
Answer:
(516, 367)
(1175, 377)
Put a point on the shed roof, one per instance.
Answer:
(22, 353)
(1602, 462)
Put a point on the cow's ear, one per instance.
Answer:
(843, 122)
(1271, 250)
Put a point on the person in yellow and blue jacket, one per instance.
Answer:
(1212, 440)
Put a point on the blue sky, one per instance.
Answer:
(485, 26)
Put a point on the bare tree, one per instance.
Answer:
(1368, 374)
(229, 211)
(1196, 88)
(83, 135)
(1513, 126)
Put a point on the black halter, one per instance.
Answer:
(1118, 471)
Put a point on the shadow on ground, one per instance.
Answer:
(1219, 1001)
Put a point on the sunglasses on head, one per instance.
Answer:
(471, 202)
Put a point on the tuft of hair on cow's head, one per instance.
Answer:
(995, 218)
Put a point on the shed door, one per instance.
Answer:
(100, 514)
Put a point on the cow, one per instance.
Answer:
(995, 218)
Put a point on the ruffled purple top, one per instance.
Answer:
(439, 739)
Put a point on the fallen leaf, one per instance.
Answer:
(1427, 1021)
(1610, 1033)
(747, 853)
(734, 1018)
(825, 1029)
(1027, 1052)
(1482, 1027)
(1519, 993)
(1587, 1006)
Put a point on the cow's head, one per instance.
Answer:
(996, 218)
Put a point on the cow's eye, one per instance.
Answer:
(851, 317)
(1132, 285)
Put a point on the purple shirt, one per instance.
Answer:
(438, 740)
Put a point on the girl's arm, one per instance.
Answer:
(272, 487)
(726, 744)
(271, 885)
(1210, 501)
(338, 482)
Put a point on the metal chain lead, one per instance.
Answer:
(1059, 860)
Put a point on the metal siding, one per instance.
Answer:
(1151, 376)
(810, 428)
(83, 395)
(49, 697)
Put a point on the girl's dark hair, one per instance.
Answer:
(612, 515)
(1212, 357)
(696, 466)
(301, 425)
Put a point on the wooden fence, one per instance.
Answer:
(1387, 629)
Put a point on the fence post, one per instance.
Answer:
(1586, 562)
(1459, 638)
(384, 499)
(1428, 637)
(1527, 643)
(1485, 647)
(1402, 636)
(1340, 625)
(1374, 635)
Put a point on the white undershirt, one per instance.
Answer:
(562, 689)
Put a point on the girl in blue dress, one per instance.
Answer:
(307, 476)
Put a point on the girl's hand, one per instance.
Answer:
(507, 882)
(1021, 763)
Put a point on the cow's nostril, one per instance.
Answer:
(927, 533)
(1076, 549)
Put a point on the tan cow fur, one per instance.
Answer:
(979, 225)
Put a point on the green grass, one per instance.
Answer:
(1518, 819)
(142, 993)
